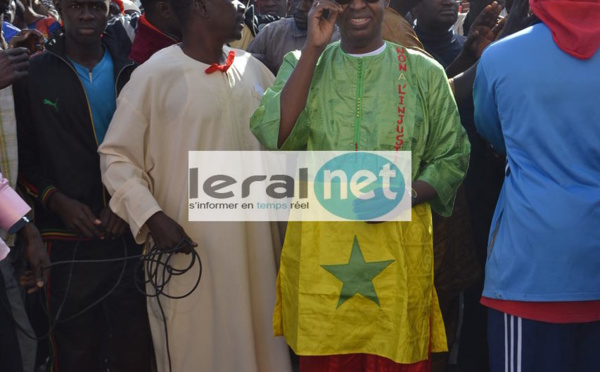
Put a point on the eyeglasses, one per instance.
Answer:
(346, 2)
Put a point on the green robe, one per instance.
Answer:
(396, 100)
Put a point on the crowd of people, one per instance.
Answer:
(102, 270)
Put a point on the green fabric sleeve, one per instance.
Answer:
(446, 158)
(264, 123)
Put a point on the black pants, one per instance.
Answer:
(114, 334)
(10, 355)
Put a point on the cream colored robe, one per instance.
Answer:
(169, 107)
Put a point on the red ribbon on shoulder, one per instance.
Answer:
(223, 68)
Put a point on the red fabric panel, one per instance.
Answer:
(358, 363)
(550, 312)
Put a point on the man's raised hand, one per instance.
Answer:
(320, 29)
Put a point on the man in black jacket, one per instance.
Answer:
(63, 110)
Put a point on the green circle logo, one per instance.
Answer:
(359, 186)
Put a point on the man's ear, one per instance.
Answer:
(164, 8)
(200, 6)
(387, 3)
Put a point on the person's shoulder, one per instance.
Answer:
(391, 12)
(250, 68)
(414, 55)
(291, 58)
(163, 59)
(244, 59)
(44, 63)
(163, 63)
(158, 73)
(278, 24)
(417, 65)
(331, 49)
(240, 54)
(44, 68)
(332, 52)
(518, 42)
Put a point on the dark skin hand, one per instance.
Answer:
(482, 33)
(33, 40)
(167, 233)
(75, 215)
(13, 65)
(111, 225)
(79, 218)
(518, 19)
(37, 257)
(484, 30)
(295, 92)
(422, 191)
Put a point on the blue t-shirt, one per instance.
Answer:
(99, 84)
(9, 30)
(540, 106)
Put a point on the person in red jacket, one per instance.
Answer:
(157, 29)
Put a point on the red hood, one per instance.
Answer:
(575, 24)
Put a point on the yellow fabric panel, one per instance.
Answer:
(408, 314)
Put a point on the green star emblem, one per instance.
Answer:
(357, 275)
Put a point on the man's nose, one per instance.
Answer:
(86, 13)
(358, 4)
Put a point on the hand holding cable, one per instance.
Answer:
(167, 233)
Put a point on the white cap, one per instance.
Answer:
(130, 6)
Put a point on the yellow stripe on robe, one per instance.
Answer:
(396, 316)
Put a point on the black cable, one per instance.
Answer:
(124, 259)
(152, 261)
(162, 313)
(51, 323)
(159, 282)
(159, 274)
